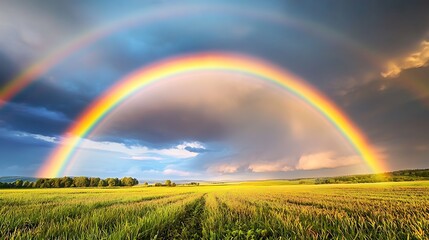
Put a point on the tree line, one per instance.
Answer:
(67, 182)
(168, 183)
(396, 176)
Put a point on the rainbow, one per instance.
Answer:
(35, 70)
(86, 38)
(211, 61)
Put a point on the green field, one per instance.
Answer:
(239, 211)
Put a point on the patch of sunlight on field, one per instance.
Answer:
(251, 210)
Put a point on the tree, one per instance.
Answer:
(45, 184)
(158, 184)
(113, 182)
(38, 183)
(18, 183)
(66, 182)
(56, 183)
(173, 184)
(135, 181)
(168, 183)
(6, 185)
(26, 184)
(127, 181)
(81, 181)
(145, 183)
(102, 183)
(93, 182)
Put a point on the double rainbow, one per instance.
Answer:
(155, 16)
(212, 61)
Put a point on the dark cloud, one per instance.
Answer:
(398, 116)
(239, 119)
(35, 110)
(33, 119)
(197, 150)
(7, 69)
(44, 108)
(385, 27)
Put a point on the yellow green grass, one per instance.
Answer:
(236, 211)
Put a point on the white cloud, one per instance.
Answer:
(44, 138)
(142, 158)
(138, 152)
(190, 144)
(325, 160)
(174, 152)
(419, 58)
(176, 172)
(112, 147)
(36, 136)
(179, 151)
(270, 167)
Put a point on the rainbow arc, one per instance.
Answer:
(59, 159)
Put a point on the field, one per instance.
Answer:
(239, 211)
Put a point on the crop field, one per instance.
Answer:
(239, 211)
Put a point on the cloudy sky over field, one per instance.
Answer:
(370, 58)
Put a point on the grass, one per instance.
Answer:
(240, 211)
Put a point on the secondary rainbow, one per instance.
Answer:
(209, 61)
(35, 70)
(86, 38)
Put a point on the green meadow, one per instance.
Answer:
(261, 210)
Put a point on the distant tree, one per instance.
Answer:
(49, 182)
(135, 181)
(111, 182)
(26, 184)
(145, 183)
(38, 183)
(173, 184)
(18, 183)
(102, 183)
(128, 181)
(66, 182)
(93, 182)
(158, 184)
(117, 181)
(107, 181)
(56, 183)
(168, 183)
(45, 184)
(81, 181)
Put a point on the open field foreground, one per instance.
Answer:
(349, 211)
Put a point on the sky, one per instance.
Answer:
(371, 58)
